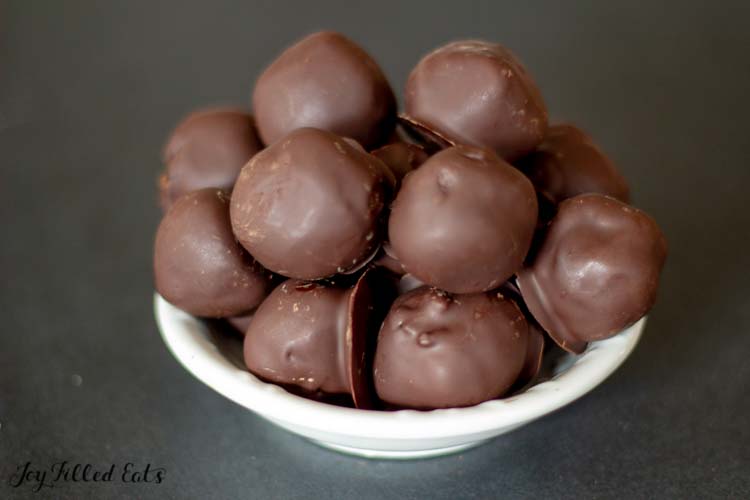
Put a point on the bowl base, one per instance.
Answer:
(398, 455)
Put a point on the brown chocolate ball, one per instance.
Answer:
(199, 266)
(318, 339)
(297, 337)
(437, 350)
(568, 163)
(463, 221)
(477, 93)
(207, 149)
(309, 206)
(596, 272)
(325, 81)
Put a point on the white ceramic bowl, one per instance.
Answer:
(216, 360)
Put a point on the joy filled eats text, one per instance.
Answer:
(32, 476)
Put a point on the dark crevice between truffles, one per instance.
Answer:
(401, 158)
(226, 339)
(428, 138)
(240, 324)
(237, 325)
(318, 339)
(532, 362)
(547, 211)
(386, 260)
(369, 302)
(536, 345)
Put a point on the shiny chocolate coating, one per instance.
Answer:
(477, 93)
(596, 272)
(401, 157)
(463, 221)
(325, 81)
(437, 350)
(309, 206)
(568, 163)
(199, 266)
(297, 337)
(426, 136)
(318, 339)
(207, 149)
(533, 362)
(369, 302)
(536, 345)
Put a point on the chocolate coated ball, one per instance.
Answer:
(477, 93)
(596, 272)
(199, 266)
(325, 81)
(297, 337)
(437, 350)
(309, 206)
(568, 163)
(463, 221)
(207, 149)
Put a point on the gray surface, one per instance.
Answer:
(88, 92)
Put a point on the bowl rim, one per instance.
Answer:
(188, 340)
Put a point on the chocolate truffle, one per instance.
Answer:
(309, 205)
(463, 221)
(296, 337)
(477, 93)
(437, 350)
(207, 149)
(596, 272)
(325, 81)
(318, 339)
(568, 163)
(401, 157)
(199, 266)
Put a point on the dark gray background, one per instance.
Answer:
(88, 92)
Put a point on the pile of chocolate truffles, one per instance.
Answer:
(417, 260)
